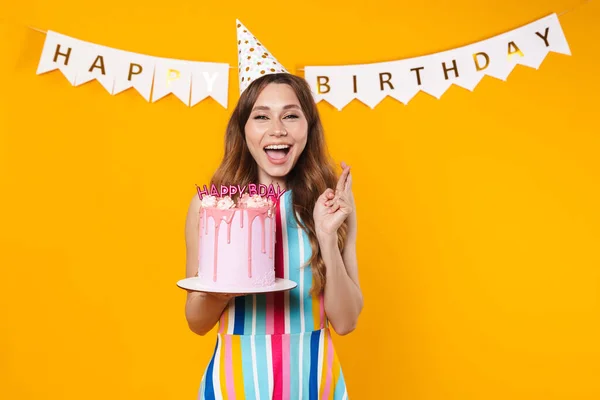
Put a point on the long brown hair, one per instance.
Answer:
(310, 177)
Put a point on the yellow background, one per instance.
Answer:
(479, 229)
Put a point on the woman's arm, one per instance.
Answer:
(343, 296)
(202, 310)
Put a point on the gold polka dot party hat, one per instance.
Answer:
(254, 60)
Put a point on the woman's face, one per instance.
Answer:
(276, 132)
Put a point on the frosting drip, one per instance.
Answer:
(252, 214)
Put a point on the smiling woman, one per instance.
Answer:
(280, 342)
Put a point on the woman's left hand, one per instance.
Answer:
(333, 207)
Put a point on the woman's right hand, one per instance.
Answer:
(204, 309)
(220, 296)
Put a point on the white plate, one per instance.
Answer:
(195, 285)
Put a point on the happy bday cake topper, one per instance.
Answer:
(252, 190)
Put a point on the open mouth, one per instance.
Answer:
(277, 152)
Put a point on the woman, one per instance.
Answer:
(278, 345)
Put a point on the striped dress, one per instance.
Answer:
(276, 345)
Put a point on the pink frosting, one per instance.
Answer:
(238, 248)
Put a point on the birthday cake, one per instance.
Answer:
(236, 241)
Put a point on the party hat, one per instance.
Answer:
(254, 60)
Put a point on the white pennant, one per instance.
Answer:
(435, 73)
(172, 76)
(134, 71)
(97, 62)
(61, 52)
(210, 79)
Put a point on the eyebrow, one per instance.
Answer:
(286, 107)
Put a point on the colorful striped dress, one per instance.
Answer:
(276, 345)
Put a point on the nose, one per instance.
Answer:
(278, 129)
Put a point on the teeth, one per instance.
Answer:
(277, 147)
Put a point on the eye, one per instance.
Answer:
(260, 117)
(293, 116)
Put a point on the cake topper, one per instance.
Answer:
(251, 189)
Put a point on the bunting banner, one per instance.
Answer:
(193, 81)
(118, 70)
(435, 73)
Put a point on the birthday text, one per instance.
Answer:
(252, 189)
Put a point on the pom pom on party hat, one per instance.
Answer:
(254, 60)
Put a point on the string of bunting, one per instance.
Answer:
(193, 81)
